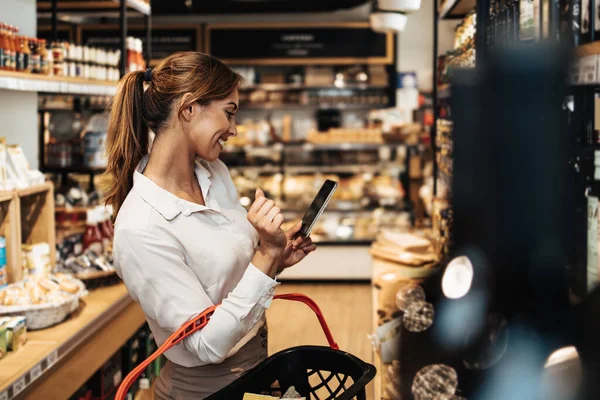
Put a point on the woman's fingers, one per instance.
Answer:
(277, 221)
(273, 212)
(305, 243)
(309, 249)
(256, 206)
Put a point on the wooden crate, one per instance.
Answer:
(36, 205)
(10, 228)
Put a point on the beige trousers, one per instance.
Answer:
(180, 383)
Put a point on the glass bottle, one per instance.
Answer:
(12, 63)
(26, 51)
(3, 47)
(44, 64)
(35, 55)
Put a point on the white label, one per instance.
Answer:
(52, 358)
(35, 372)
(592, 243)
(588, 70)
(18, 386)
(585, 16)
(4, 396)
(117, 378)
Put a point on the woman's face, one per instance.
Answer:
(209, 127)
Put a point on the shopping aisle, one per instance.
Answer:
(347, 309)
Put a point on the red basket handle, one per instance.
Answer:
(200, 322)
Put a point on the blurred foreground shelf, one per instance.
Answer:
(57, 361)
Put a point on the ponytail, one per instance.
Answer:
(127, 139)
(135, 111)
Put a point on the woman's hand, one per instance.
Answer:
(266, 218)
(295, 249)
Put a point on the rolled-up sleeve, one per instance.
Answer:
(157, 277)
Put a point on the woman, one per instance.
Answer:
(182, 241)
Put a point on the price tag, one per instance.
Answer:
(52, 358)
(18, 386)
(4, 395)
(35, 372)
(589, 69)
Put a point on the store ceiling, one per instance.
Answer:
(178, 7)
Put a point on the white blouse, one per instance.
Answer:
(178, 258)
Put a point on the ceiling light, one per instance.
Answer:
(457, 278)
(385, 22)
(399, 5)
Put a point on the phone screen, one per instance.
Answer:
(316, 207)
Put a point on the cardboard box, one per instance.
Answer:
(16, 333)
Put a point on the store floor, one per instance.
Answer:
(346, 307)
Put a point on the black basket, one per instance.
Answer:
(316, 372)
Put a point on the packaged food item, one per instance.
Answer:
(14, 295)
(36, 259)
(3, 338)
(16, 333)
(3, 277)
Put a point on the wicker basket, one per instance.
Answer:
(40, 316)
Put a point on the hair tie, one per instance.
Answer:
(148, 75)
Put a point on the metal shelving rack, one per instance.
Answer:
(84, 11)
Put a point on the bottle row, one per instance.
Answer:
(62, 58)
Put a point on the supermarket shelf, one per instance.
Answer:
(349, 169)
(35, 189)
(87, 6)
(455, 8)
(314, 147)
(336, 146)
(341, 106)
(54, 84)
(73, 170)
(588, 49)
(265, 169)
(56, 361)
(349, 242)
(294, 86)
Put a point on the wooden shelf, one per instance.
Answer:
(293, 86)
(86, 6)
(35, 189)
(295, 106)
(21, 81)
(455, 8)
(57, 361)
(73, 169)
(588, 49)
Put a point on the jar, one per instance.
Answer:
(58, 69)
(26, 51)
(34, 47)
(71, 69)
(79, 70)
(58, 52)
(43, 52)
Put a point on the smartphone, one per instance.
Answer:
(316, 207)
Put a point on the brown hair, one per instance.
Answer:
(133, 110)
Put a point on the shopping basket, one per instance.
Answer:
(316, 372)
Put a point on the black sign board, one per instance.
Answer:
(64, 32)
(347, 43)
(166, 40)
